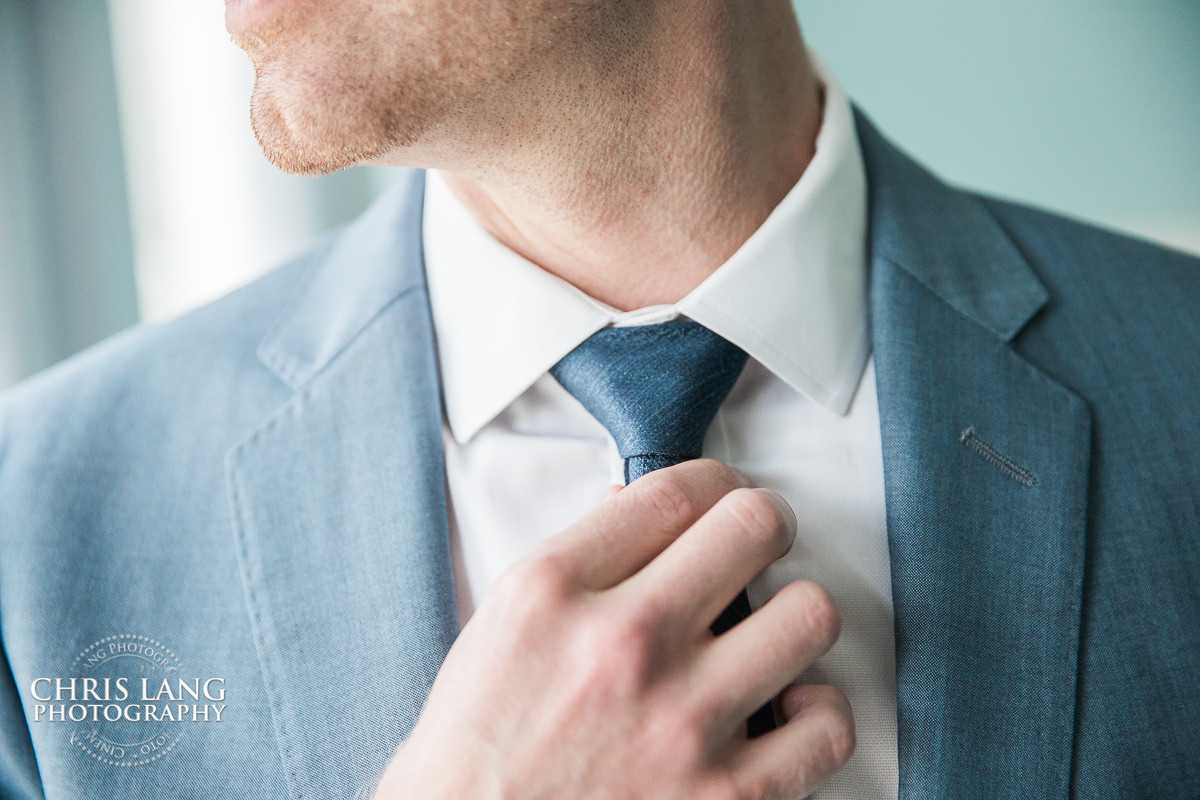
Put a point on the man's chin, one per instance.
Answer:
(300, 138)
(321, 106)
(290, 152)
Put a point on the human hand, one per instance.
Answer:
(589, 670)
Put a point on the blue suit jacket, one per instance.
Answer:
(257, 490)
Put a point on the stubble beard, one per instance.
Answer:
(314, 133)
(317, 108)
(427, 84)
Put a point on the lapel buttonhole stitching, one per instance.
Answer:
(1006, 465)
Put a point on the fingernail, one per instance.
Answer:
(784, 507)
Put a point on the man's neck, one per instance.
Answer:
(636, 183)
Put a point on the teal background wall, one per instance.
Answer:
(66, 268)
(1088, 106)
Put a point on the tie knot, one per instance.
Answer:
(655, 388)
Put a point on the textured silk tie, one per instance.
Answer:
(656, 388)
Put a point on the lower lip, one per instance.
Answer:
(243, 16)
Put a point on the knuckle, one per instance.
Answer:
(543, 574)
(833, 719)
(820, 613)
(530, 588)
(615, 652)
(748, 787)
(635, 627)
(712, 784)
(760, 519)
(669, 498)
(838, 726)
(683, 731)
(723, 476)
(842, 740)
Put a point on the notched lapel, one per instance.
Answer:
(986, 465)
(339, 515)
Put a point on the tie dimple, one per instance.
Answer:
(656, 388)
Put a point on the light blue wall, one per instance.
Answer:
(66, 262)
(1089, 106)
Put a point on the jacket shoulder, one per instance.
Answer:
(152, 380)
(1082, 257)
(1123, 313)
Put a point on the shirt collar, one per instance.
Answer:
(793, 296)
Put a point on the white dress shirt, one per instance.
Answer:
(524, 459)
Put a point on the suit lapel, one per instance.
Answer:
(340, 513)
(986, 469)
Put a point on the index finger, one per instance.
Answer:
(631, 527)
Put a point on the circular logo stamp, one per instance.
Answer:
(127, 700)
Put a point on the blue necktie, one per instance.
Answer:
(656, 388)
